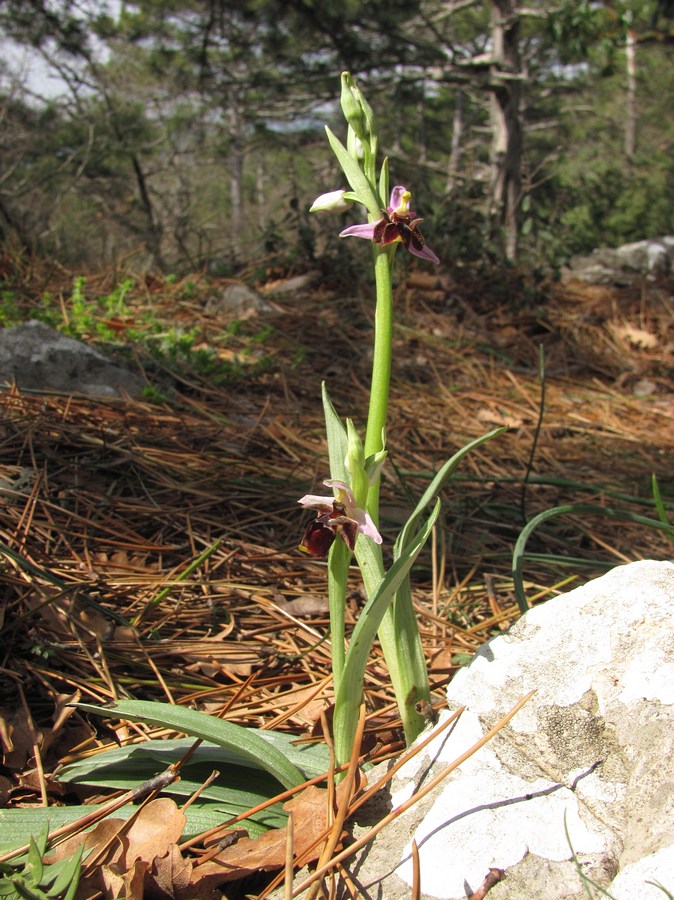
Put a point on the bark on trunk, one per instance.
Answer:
(631, 121)
(235, 173)
(455, 150)
(506, 150)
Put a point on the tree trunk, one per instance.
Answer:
(260, 187)
(457, 137)
(631, 120)
(506, 149)
(421, 112)
(235, 173)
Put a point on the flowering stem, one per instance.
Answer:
(398, 631)
(381, 364)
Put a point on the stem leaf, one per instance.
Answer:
(348, 698)
(354, 175)
(434, 488)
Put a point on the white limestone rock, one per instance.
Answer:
(592, 751)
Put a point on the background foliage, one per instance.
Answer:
(185, 135)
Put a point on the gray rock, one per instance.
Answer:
(39, 358)
(622, 265)
(592, 751)
(239, 301)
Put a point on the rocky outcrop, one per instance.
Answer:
(36, 357)
(586, 768)
(623, 265)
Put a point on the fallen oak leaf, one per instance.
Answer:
(126, 883)
(124, 852)
(104, 841)
(268, 851)
(16, 738)
(158, 825)
(171, 875)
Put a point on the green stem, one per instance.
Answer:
(381, 365)
(399, 631)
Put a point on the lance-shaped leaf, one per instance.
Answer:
(355, 176)
(200, 725)
(433, 490)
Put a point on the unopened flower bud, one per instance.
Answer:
(332, 202)
(351, 105)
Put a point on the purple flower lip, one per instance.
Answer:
(399, 223)
(336, 515)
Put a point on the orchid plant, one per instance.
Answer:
(347, 521)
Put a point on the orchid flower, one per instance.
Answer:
(399, 223)
(336, 515)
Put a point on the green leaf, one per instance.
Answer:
(569, 509)
(17, 825)
(7, 890)
(64, 876)
(234, 791)
(340, 556)
(310, 759)
(339, 561)
(660, 506)
(383, 183)
(338, 441)
(434, 488)
(26, 889)
(34, 866)
(238, 788)
(245, 741)
(354, 175)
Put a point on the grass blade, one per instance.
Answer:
(570, 509)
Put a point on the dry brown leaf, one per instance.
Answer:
(99, 837)
(213, 669)
(16, 738)
(111, 884)
(129, 859)
(134, 880)
(65, 612)
(499, 417)
(119, 883)
(121, 562)
(170, 876)
(5, 790)
(308, 714)
(268, 851)
(158, 825)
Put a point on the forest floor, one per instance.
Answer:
(179, 511)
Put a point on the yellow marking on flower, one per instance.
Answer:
(404, 208)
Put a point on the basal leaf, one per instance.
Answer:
(197, 724)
